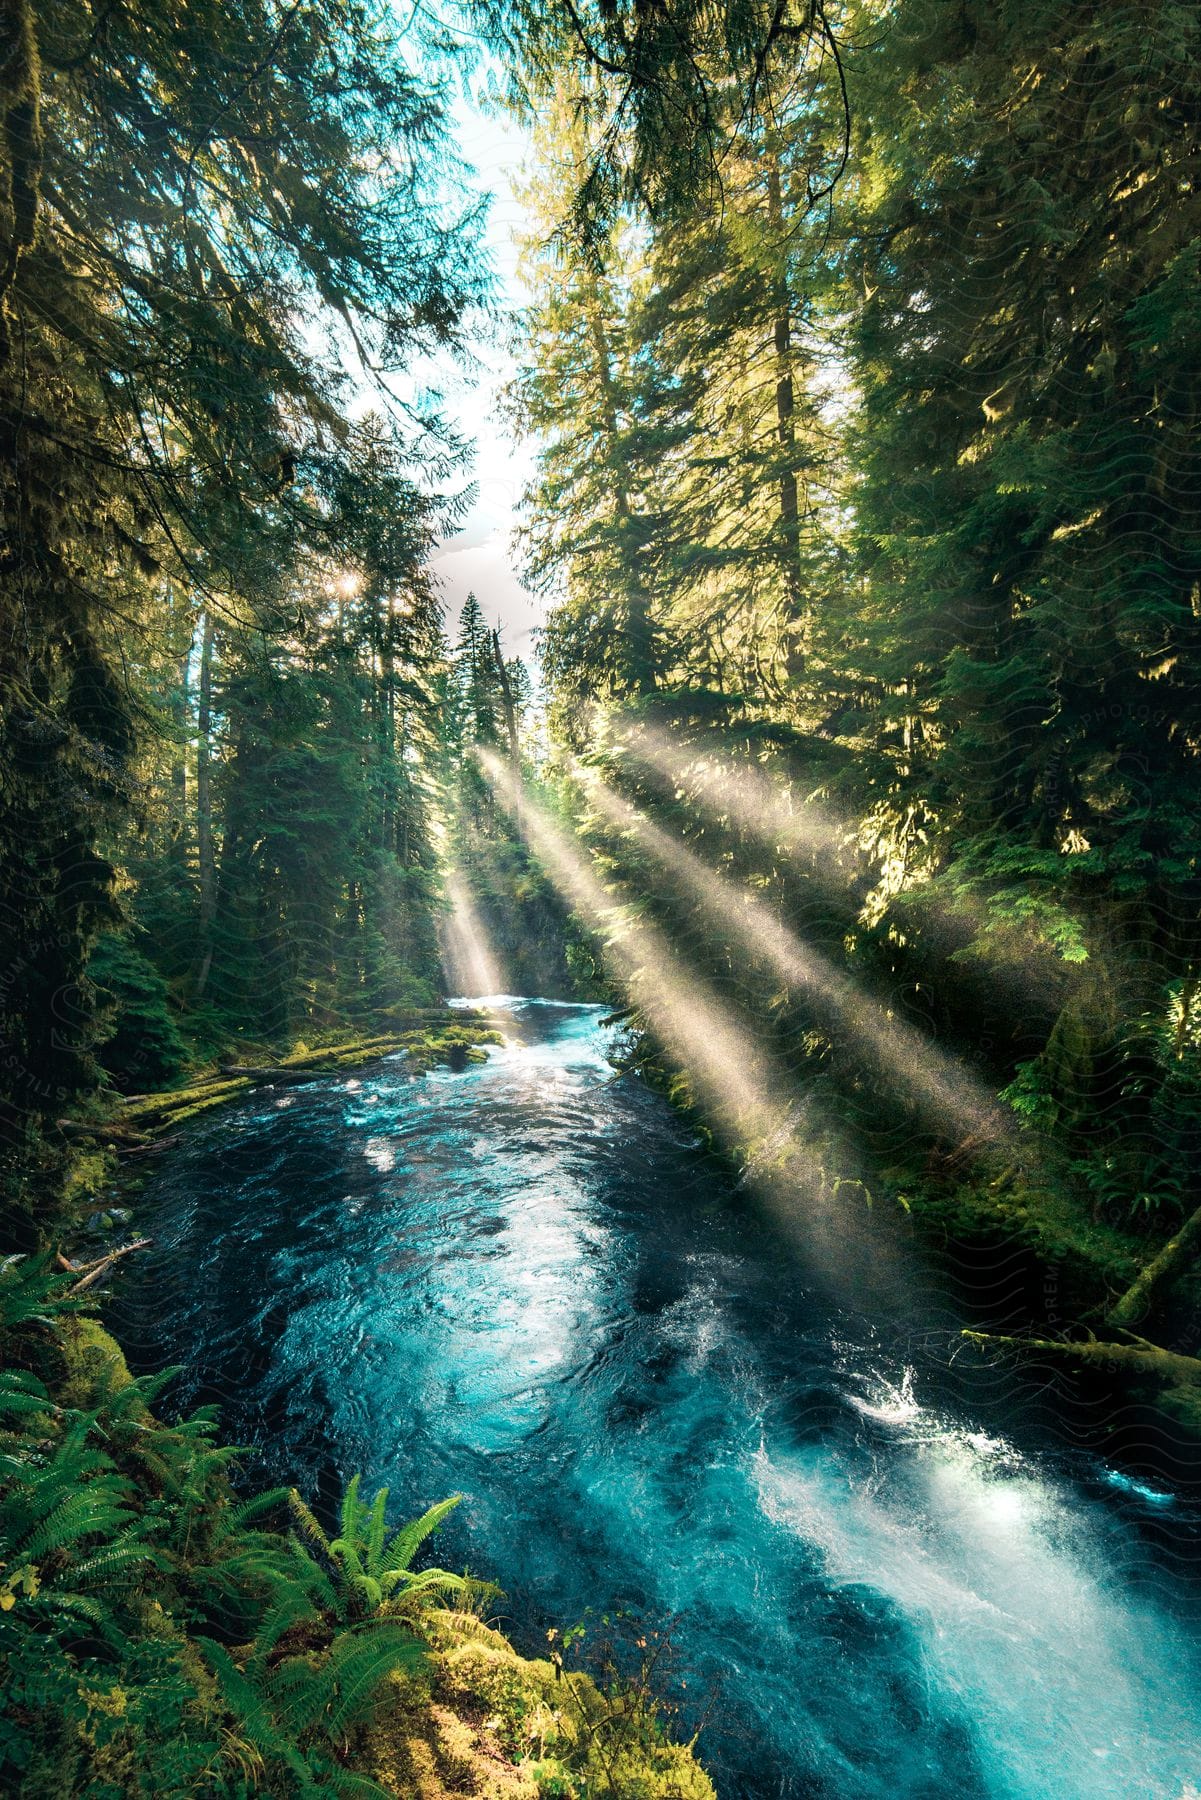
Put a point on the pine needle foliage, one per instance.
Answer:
(903, 491)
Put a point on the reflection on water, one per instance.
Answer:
(523, 1281)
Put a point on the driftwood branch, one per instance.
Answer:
(91, 1272)
(151, 1147)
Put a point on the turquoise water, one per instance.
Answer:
(524, 1282)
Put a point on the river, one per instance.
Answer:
(526, 1282)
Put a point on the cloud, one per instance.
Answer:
(486, 570)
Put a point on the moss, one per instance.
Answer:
(1054, 1226)
(1182, 1404)
(452, 1046)
(88, 1173)
(95, 1364)
(490, 1723)
(164, 1112)
(427, 1039)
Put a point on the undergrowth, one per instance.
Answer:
(162, 1635)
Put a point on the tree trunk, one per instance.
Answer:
(1135, 1303)
(179, 771)
(1136, 1358)
(640, 635)
(204, 805)
(506, 699)
(789, 485)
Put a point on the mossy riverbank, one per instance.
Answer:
(1054, 1281)
(479, 1719)
(161, 1635)
(425, 1039)
(110, 1145)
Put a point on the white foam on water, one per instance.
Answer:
(1077, 1686)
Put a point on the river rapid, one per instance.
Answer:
(526, 1283)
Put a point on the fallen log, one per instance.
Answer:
(1135, 1358)
(1136, 1302)
(151, 1147)
(110, 1133)
(280, 1075)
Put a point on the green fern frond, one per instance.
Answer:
(409, 1538)
(267, 1501)
(104, 1564)
(149, 1387)
(351, 1510)
(305, 1519)
(469, 1624)
(428, 1581)
(83, 1606)
(336, 1693)
(251, 1710)
(32, 1292)
(370, 1589)
(338, 1780)
(204, 1421)
(76, 1516)
(62, 1610)
(359, 1674)
(22, 1394)
(290, 1609)
(376, 1529)
(345, 1551)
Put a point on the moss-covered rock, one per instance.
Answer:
(95, 1364)
(486, 1722)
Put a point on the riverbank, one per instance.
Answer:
(1084, 1299)
(110, 1149)
(163, 1634)
(669, 1405)
(1103, 1308)
(426, 1039)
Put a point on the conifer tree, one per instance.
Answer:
(187, 192)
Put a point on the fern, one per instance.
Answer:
(366, 1569)
(344, 1781)
(104, 1509)
(336, 1693)
(113, 1560)
(375, 1530)
(22, 1395)
(293, 1607)
(307, 1521)
(32, 1293)
(409, 1539)
(249, 1706)
(76, 1516)
(353, 1511)
(261, 1503)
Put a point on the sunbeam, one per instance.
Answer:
(950, 1098)
(469, 960)
(747, 798)
(785, 1140)
(771, 813)
(691, 1021)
